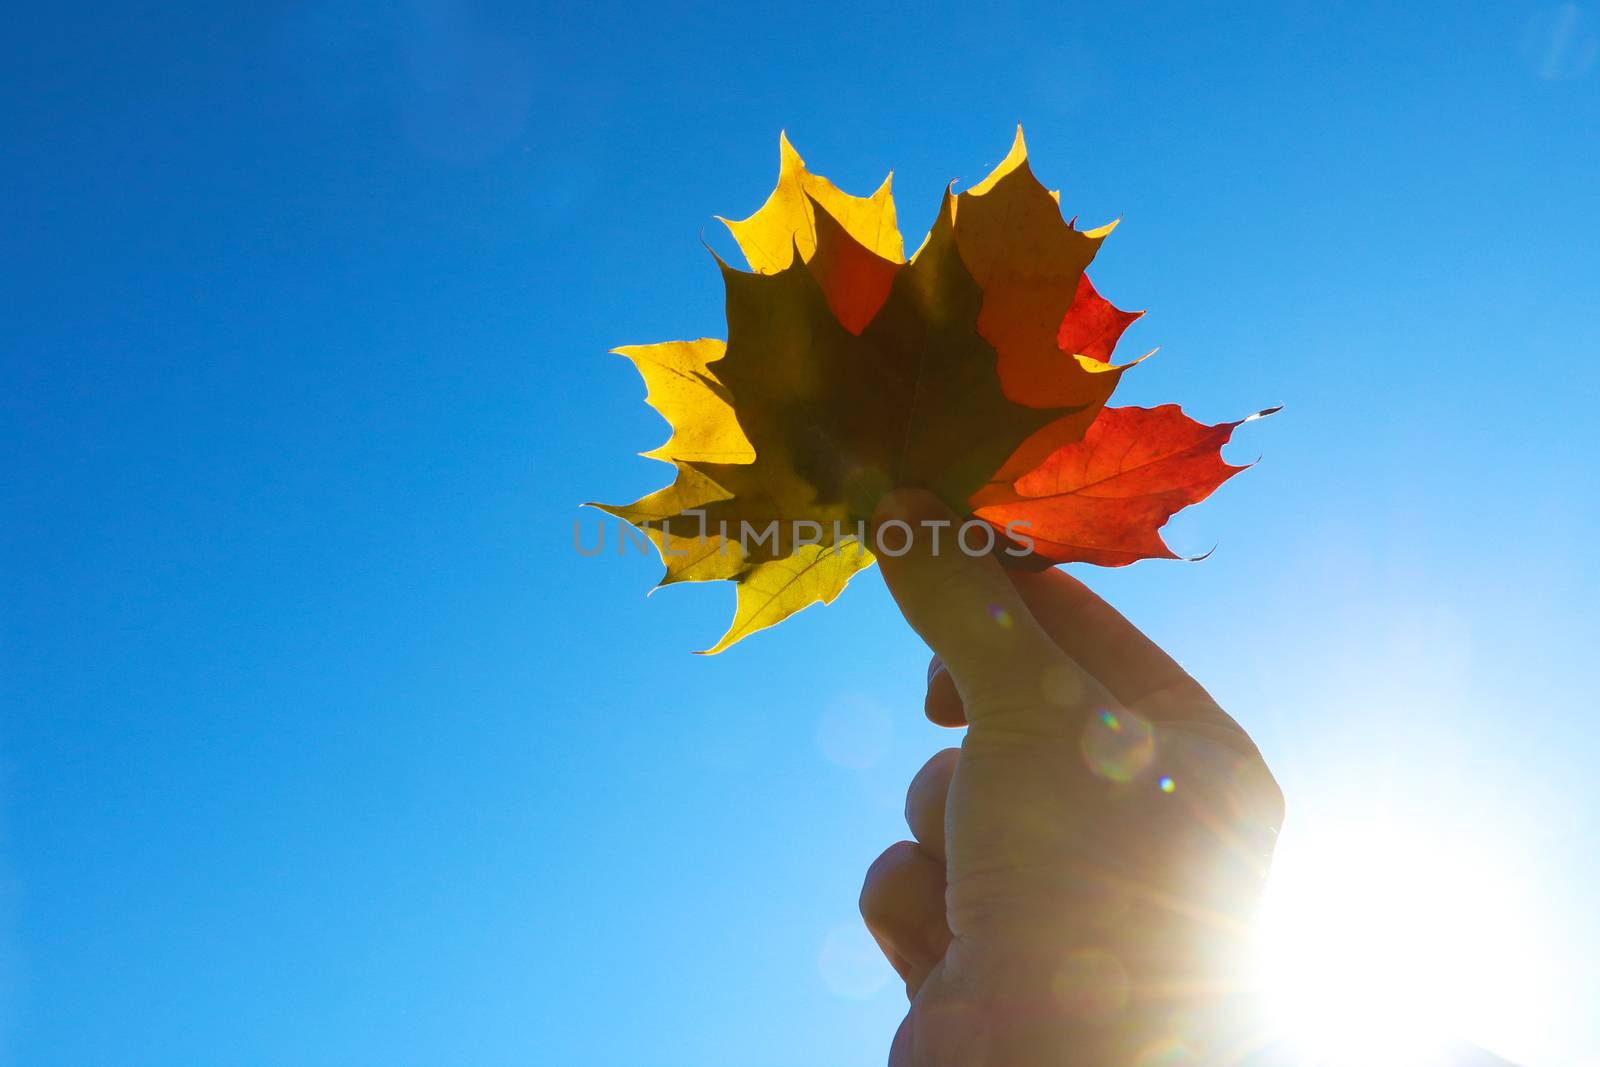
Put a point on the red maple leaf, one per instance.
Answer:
(1104, 499)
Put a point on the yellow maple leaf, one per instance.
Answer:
(681, 386)
(771, 592)
(786, 221)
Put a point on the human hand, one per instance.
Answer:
(1086, 865)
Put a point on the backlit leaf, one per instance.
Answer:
(980, 370)
(681, 387)
(1105, 498)
(772, 591)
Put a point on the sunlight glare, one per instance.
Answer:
(1380, 942)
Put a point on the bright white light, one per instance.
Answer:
(1381, 940)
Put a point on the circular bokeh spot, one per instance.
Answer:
(851, 964)
(1117, 744)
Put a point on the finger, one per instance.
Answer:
(902, 901)
(1134, 668)
(897, 961)
(925, 801)
(942, 705)
(1098, 637)
(900, 1049)
(968, 611)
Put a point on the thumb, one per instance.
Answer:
(968, 611)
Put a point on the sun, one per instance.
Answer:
(1381, 942)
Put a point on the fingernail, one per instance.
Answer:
(942, 705)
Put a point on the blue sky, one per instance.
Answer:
(321, 746)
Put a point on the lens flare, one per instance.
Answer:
(1117, 744)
